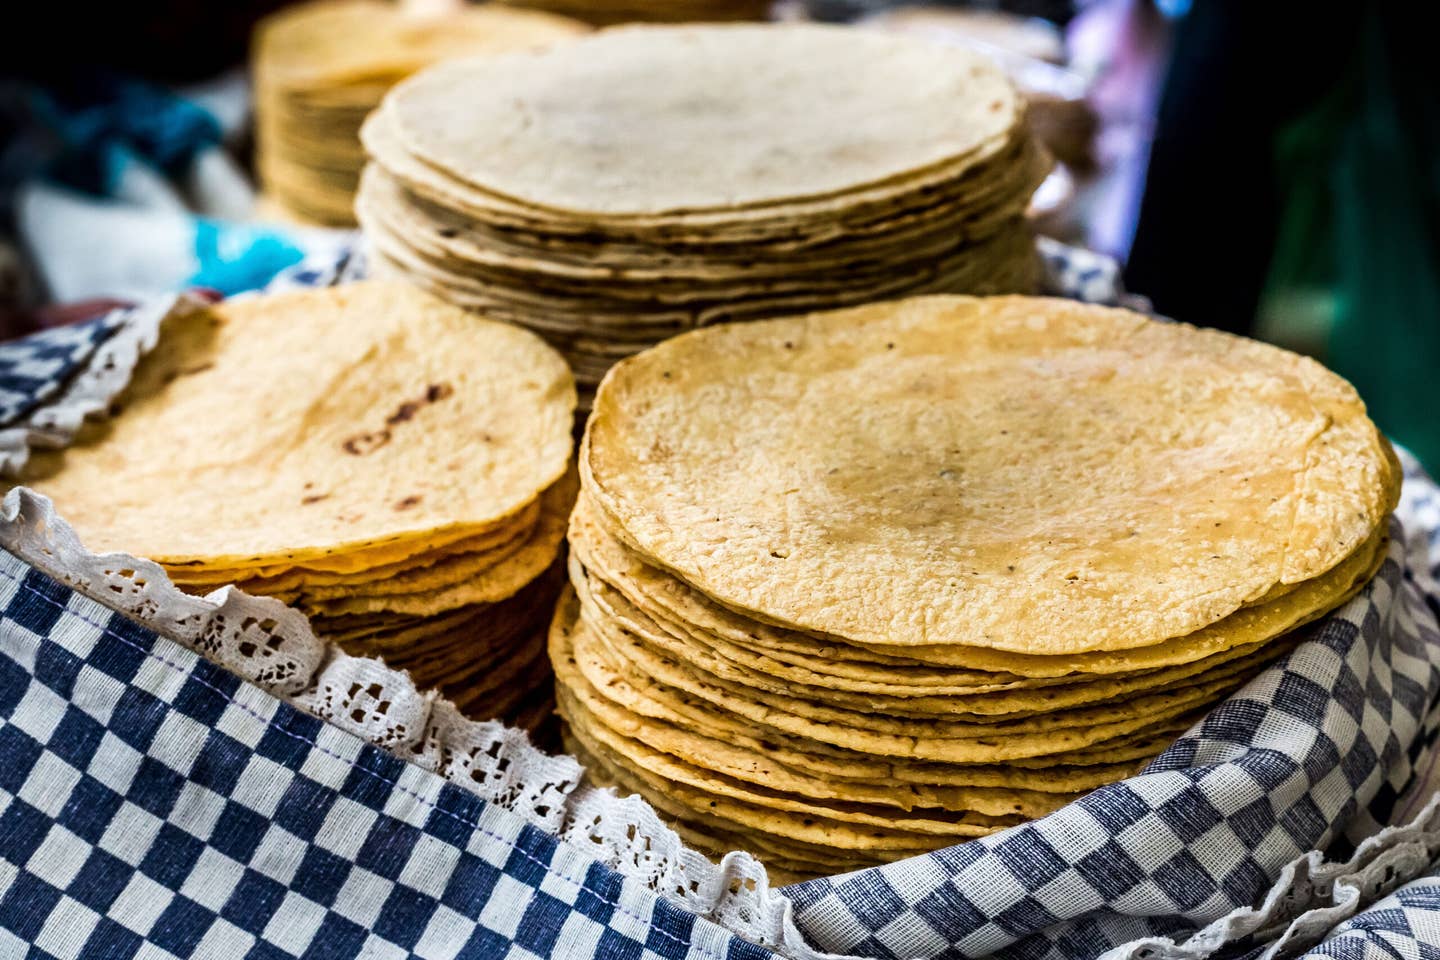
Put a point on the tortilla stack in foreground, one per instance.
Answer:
(856, 585)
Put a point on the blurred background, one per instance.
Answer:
(1268, 169)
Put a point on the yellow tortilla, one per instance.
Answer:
(279, 430)
(1033, 476)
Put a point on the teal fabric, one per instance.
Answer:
(1386, 338)
(1359, 174)
(238, 257)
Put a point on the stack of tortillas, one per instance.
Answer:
(321, 67)
(857, 585)
(616, 190)
(605, 12)
(389, 464)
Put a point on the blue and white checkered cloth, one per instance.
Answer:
(35, 368)
(154, 805)
(1403, 925)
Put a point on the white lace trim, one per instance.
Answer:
(273, 647)
(106, 374)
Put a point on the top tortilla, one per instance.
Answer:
(585, 128)
(1021, 474)
(276, 429)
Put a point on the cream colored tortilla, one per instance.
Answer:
(678, 691)
(585, 127)
(670, 261)
(818, 662)
(627, 590)
(366, 566)
(323, 46)
(789, 821)
(637, 739)
(955, 192)
(1009, 163)
(321, 67)
(922, 712)
(953, 739)
(774, 787)
(678, 708)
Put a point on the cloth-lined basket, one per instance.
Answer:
(187, 776)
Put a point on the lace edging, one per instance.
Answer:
(272, 646)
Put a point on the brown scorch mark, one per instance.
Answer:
(363, 443)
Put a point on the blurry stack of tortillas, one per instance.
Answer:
(857, 585)
(642, 181)
(1032, 53)
(389, 464)
(607, 12)
(321, 67)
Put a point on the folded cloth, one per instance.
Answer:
(126, 190)
(150, 799)
(1404, 924)
(32, 370)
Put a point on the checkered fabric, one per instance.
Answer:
(154, 806)
(1084, 275)
(1321, 744)
(327, 268)
(34, 368)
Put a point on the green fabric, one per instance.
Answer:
(1386, 338)
(1359, 179)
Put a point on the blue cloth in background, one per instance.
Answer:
(123, 189)
(116, 121)
(235, 257)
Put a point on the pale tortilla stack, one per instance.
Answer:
(857, 585)
(644, 181)
(320, 68)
